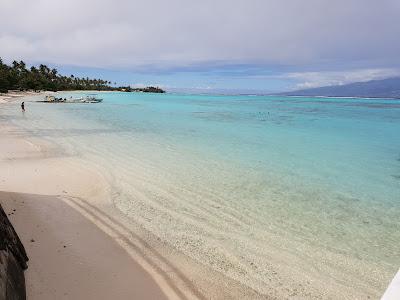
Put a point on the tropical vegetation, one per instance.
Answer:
(18, 77)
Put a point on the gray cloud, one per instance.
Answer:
(179, 34)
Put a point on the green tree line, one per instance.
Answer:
(18, 77)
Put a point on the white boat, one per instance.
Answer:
(53, 99)
(86, 99)
(91, 99)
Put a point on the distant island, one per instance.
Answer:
(384, 88)
(18, 77)
(148, 89)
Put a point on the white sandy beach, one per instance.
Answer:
(12, 96)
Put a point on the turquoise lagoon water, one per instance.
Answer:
(305, 188)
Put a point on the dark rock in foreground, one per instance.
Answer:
(13, 261)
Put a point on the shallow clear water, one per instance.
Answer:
(234, 181)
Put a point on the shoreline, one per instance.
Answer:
(13, 96)
(36, 181)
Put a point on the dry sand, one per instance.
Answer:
(70, 257)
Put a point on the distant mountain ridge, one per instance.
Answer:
(384, 88)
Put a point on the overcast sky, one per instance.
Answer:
(209, 44)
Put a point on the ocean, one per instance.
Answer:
(271, 191)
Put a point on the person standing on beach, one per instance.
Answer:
(23, 106)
